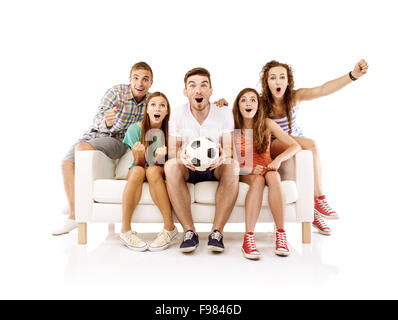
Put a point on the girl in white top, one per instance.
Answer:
(281, 102)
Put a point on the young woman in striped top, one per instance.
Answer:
(257, 167)
(281, 103)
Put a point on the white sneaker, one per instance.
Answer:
(68, 226)
(163, 240)
(132, 241)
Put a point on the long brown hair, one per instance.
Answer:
(266, 95)
(260, 131)
(146, 124)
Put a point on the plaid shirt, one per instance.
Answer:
(128, 111)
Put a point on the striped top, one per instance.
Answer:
(248, 156)
(128, 111)
(284, 124)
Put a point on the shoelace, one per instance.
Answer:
(188, 235)
(281, 241)
(216, 235)
(320, 222)
(162, 236)
(325, 205)
(250, 241)
(133, 238)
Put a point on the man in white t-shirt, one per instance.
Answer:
(200, 118)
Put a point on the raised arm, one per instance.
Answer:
(331, 86)
(293, 146)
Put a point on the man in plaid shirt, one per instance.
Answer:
(121, 105)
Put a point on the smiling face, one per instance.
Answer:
(277, 81)
(140, 82)
(198, 91)
(157, 110)
(248, 105)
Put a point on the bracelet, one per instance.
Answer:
(352, 77)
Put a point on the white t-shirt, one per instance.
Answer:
(182, 123)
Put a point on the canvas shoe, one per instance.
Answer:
(320, 224)
(67, 226)
(249, 248)
(324, 209)
(215, 241)
(163, 240)
(190, 241)
(281, 248)
(132, 241)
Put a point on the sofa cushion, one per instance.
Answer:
(123, 165)
(205, 192)
(111, 191)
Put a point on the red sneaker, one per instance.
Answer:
(320, 224)
(249, 247)
(323, 208)
(281, 248)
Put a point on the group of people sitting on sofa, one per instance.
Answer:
(130, 117)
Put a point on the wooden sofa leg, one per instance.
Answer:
(111, 228)
(306, 232)
(82, 233)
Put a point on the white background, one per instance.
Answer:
(59, 57)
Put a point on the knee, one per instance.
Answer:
(311, 145)
(67, 167)
(273, 177)
(136, 174)
(84, 146)
(258, 181)
(171, 168)
(153, 174)
(231, 170)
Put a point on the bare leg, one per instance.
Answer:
(176, 177)
(132, 195)
(158, 190)
(253, 200)
(226, 193)
(278, 147)
(276, 197)
(68, 173)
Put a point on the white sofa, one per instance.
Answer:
(100, 181)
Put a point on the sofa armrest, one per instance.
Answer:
(304, 173)
(89, 166)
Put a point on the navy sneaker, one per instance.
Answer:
(190, 242)
(215, 241)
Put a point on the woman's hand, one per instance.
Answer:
(360, 69)
(259, 170)
(274, 165)
(138, 153)
(160, 155)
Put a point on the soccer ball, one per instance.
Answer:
(202, 152)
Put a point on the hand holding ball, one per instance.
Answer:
(201, 152)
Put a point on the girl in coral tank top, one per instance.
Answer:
(258, 169)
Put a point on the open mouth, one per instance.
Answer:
(199, 100)
(139, 89)
(248, 110)
(156, 116)
(278, 89)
